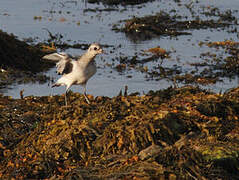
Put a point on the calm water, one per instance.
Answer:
(77, 24)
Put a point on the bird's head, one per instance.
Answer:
(95, 49)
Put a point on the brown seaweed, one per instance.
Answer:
(173, 133)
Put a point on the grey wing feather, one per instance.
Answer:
(64, 66)
(56, 56)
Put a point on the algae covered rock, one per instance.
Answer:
(19, 55)
(20, 62)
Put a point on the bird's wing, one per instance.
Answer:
(64, 66)
(63, 62)
(56, 57)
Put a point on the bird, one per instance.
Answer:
(75, 71)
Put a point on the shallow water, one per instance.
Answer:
(76, 21)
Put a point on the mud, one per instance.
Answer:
(176, 133)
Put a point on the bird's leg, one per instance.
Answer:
(86, 98)
(51, 92)
(66, 97)
(67, 89)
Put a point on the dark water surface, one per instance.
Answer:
(81, 22)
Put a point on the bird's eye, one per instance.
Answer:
(95, 48)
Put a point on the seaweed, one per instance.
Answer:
(173, 133)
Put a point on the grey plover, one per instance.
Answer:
(75, 72)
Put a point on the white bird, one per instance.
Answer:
(75, 72)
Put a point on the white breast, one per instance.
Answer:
(82, 73)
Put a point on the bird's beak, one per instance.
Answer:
(102, 51)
